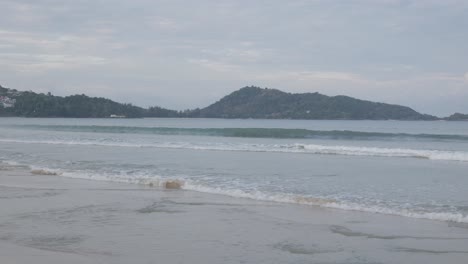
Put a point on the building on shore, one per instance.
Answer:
(117, 116)
(7, 102)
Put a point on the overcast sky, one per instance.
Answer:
(185, 54)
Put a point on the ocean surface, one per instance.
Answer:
(410, 169)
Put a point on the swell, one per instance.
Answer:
(284, 133)
(447, 155)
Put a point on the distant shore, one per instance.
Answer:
(247, 102)
(389, 120)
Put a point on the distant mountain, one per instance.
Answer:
(248, 102)
(254, 102)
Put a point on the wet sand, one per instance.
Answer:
(52, 219)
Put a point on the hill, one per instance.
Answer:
(247, 102)
(457, 117)
(30, 104)
(254, 102)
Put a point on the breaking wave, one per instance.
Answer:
(181, 182)
(331, 203)
(284, 133)
(447, 155)
(325, 202)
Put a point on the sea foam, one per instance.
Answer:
(448, 155)
(181, 182)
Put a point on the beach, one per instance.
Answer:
(53, 219)
(234, 132)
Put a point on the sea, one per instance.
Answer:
(413, 169)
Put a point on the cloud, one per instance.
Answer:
(163, 23)
(51, 43)
(245, 53)
(216, 66)
(310, 76)
(466, 76)
(438, 3)
(40, 63)
(24, 13)
(30, 52)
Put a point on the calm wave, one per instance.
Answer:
(281, 133)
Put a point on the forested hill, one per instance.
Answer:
(254, 102)
(248, 102)
(30, 104)
(457, 117)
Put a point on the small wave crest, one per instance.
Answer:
(327, 203)
(447, 155)
(257, 195)
(146, 180)
(6, 165)
(330, 203)
(439, 216)
(384, 152)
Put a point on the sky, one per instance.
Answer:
(187, 54)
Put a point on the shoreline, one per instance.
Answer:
(52, 219)
(237, 118)
(181, 184)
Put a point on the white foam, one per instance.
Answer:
(187, 184)
(386, 152)
(11, 163)
(62, 142)
(283, 148)
(151, 181)
(329, 203)
(257, 195)
(440, 216)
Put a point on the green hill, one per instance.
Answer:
(457, 117)
(30, 104)
(254, 102)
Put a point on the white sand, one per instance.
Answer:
(51, 219)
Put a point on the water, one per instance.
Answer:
(411, 169)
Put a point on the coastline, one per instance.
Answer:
(237, 118)
(52, 219)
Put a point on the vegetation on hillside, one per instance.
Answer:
(254, 102)
(248, 102)
(457, 117)
(30, 104)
